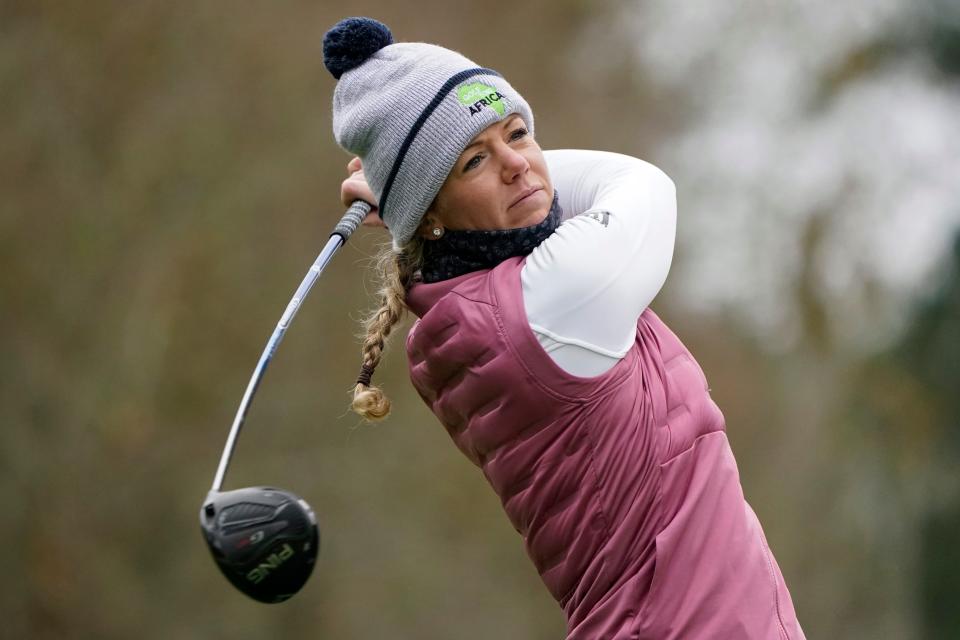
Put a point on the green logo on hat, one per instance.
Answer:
(477, 95)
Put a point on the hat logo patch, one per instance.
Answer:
(478, 96)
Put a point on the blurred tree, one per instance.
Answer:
(942, 31)
(931, 352)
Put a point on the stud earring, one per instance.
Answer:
(437, 232)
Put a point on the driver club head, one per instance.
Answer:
(264, 540)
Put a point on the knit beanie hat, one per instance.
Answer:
(409, 110)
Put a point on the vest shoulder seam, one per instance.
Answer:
(461, 294)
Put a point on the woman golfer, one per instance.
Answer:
(531, 273)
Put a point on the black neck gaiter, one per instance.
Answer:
(460, 252)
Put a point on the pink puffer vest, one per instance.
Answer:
(623, 485)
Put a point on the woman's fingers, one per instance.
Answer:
(372, 219)
(355, 187)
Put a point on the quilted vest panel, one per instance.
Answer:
(622, 485)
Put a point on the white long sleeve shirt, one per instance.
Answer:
(586, 285)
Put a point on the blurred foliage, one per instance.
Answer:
(903, 411)
(941, 33)
(169, 174)
(931, 352)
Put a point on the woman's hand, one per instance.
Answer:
(355, 187)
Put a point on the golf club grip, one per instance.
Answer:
(351, 219)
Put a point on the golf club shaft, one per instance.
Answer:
(341, 233)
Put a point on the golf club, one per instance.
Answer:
(265, 540)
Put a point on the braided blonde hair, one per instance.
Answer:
(396, 269)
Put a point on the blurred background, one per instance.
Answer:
(169, 173)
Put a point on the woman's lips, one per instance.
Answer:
(526, 194)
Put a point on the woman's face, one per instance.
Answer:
(500, 181)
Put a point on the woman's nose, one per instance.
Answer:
(514, 164)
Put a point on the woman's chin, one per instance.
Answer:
(532, 210)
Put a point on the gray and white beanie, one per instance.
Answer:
(409, 109)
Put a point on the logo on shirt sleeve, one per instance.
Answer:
(603, 217)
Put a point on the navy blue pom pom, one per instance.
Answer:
(351, 41)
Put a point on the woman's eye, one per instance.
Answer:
(516, 134)
(472, 162)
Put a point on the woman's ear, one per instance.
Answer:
(430, 222)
